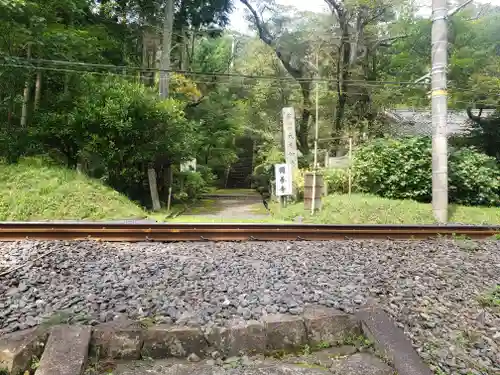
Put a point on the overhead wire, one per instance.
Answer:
(355, 83)
(30, 63)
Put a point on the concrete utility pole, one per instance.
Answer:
(440, 14)
(439, 110)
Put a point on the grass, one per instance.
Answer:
(34, 191)
(369, 209)
(492, 298)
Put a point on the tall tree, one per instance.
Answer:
(271, 33)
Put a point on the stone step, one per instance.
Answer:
(19, 349)
(355, 364)
(312, 341)
(182, 369)
(66, 351)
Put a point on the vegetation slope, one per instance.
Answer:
(33, 190)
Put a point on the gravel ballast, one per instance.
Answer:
(432, 289)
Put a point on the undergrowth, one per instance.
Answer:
(370, 209)
(492, 298)
(34, 191)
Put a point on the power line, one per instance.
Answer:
(29, 64)
(366, 84)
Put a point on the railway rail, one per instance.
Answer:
(139, 232)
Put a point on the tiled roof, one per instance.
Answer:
(419, 122)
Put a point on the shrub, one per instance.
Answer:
(189, 186)
(474, 178)
(263, 173)
(395, 168)
(206, 173)
(336, 180)
(299, 182)
(402, 169)
(119, 127)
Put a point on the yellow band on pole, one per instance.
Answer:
(439, 92)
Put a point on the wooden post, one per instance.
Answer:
(170, 181)
(169, 200)
(228, 170)
(312, 195)
(350, 166)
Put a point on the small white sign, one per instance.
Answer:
(188, 166)
(283, 174)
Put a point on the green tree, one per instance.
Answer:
(118, 128)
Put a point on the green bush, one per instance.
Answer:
(474, 178)
(336, 180)
(207, 174)
(395, 168)
(189, 186)
(263, 173)
(402, 169)
(119, 128)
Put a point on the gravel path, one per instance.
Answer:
(232, 208)
(431, 288)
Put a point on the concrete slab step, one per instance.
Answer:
(199, 369)
(66, 351)
(258, 370)
(356, 364)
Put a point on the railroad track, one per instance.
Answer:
(137, 232)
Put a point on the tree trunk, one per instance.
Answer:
(303, 130)
(343, 61)
(124, 42)
(184, 46)
(26, 95)
(152, 64)
(166, 48)
(193, 40)
(144, 60)
(298, 73)
(66, 83)
(10, 109)
(38, 89)
(168, 25)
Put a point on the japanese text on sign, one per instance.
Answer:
(283, 174)
(290, 137)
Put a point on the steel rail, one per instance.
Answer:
(138, 232)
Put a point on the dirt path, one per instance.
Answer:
(229, 205)
(235, 208)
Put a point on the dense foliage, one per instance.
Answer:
(79, 80)
(61, 95)
(474, 178)
(401, 169)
